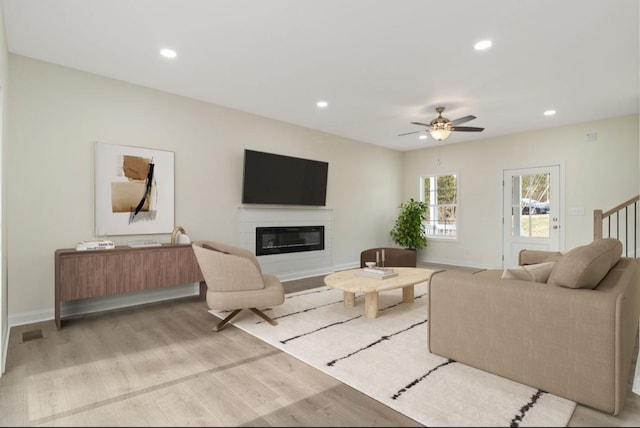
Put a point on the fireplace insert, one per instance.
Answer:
(288, 239)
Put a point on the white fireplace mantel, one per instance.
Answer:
(290, 265)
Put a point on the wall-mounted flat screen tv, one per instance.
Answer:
(270, 178)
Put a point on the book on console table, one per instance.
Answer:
(95, 245)
(377, 272)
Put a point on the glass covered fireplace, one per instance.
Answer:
(288, 239)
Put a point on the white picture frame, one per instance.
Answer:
(134, 190)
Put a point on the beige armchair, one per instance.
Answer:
(235, 280)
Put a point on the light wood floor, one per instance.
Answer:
(161, 365)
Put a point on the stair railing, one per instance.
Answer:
(621, 223)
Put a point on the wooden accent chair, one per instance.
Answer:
(235, 280)
(393, 257)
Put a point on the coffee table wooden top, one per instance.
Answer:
(348, 280)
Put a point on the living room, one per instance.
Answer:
(55, 114)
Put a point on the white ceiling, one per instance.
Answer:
(380, 64)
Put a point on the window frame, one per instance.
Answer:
(442, 237)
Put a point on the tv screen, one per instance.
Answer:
(283, 180)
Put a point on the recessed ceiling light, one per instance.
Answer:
(423, 137)
(549, 112)
(322, 104)
(168, 53)
(482, 45)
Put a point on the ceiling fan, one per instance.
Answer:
(441, 127)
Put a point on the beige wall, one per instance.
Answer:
(55, 116)
(597, 175)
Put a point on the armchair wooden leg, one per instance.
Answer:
(263, 316)
(235, 312)
(226, 320)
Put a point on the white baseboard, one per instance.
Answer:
(303, 274)
(346, 266)
(467, 263)
(98, 304)
(636, 377)
(5, 349)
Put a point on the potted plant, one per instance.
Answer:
(408, 230)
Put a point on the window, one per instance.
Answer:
(440, 193)
(531, 217)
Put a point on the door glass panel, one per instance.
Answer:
(530, 205)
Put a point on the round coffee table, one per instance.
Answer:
(351, 283)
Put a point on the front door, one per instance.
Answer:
(531, 211)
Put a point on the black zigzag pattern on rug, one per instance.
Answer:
(369, 346)
(515, 422)
(324, 327)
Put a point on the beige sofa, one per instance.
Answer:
(563, 323)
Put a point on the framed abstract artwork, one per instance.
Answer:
(134, 190)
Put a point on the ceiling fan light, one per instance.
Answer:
(439, 134)
(440, 128)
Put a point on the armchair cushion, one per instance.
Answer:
(272, 294)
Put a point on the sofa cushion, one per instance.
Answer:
(585, 266)
(532, 257)
(538, 272)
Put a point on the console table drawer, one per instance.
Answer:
(83, 277)
(86, 274)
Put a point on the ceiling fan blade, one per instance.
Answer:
(423, 124)
(467, 129)
(407, 133)
(461, 120)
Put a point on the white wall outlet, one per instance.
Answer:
(592, 136)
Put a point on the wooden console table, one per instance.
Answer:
(95, 273)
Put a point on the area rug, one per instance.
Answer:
(386, 358)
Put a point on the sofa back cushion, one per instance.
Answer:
(585, 266)
(532, 257)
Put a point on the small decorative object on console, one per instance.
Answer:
(179, 236)
(144, 243)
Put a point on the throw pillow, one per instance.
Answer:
(585, 266)
(534, 273)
